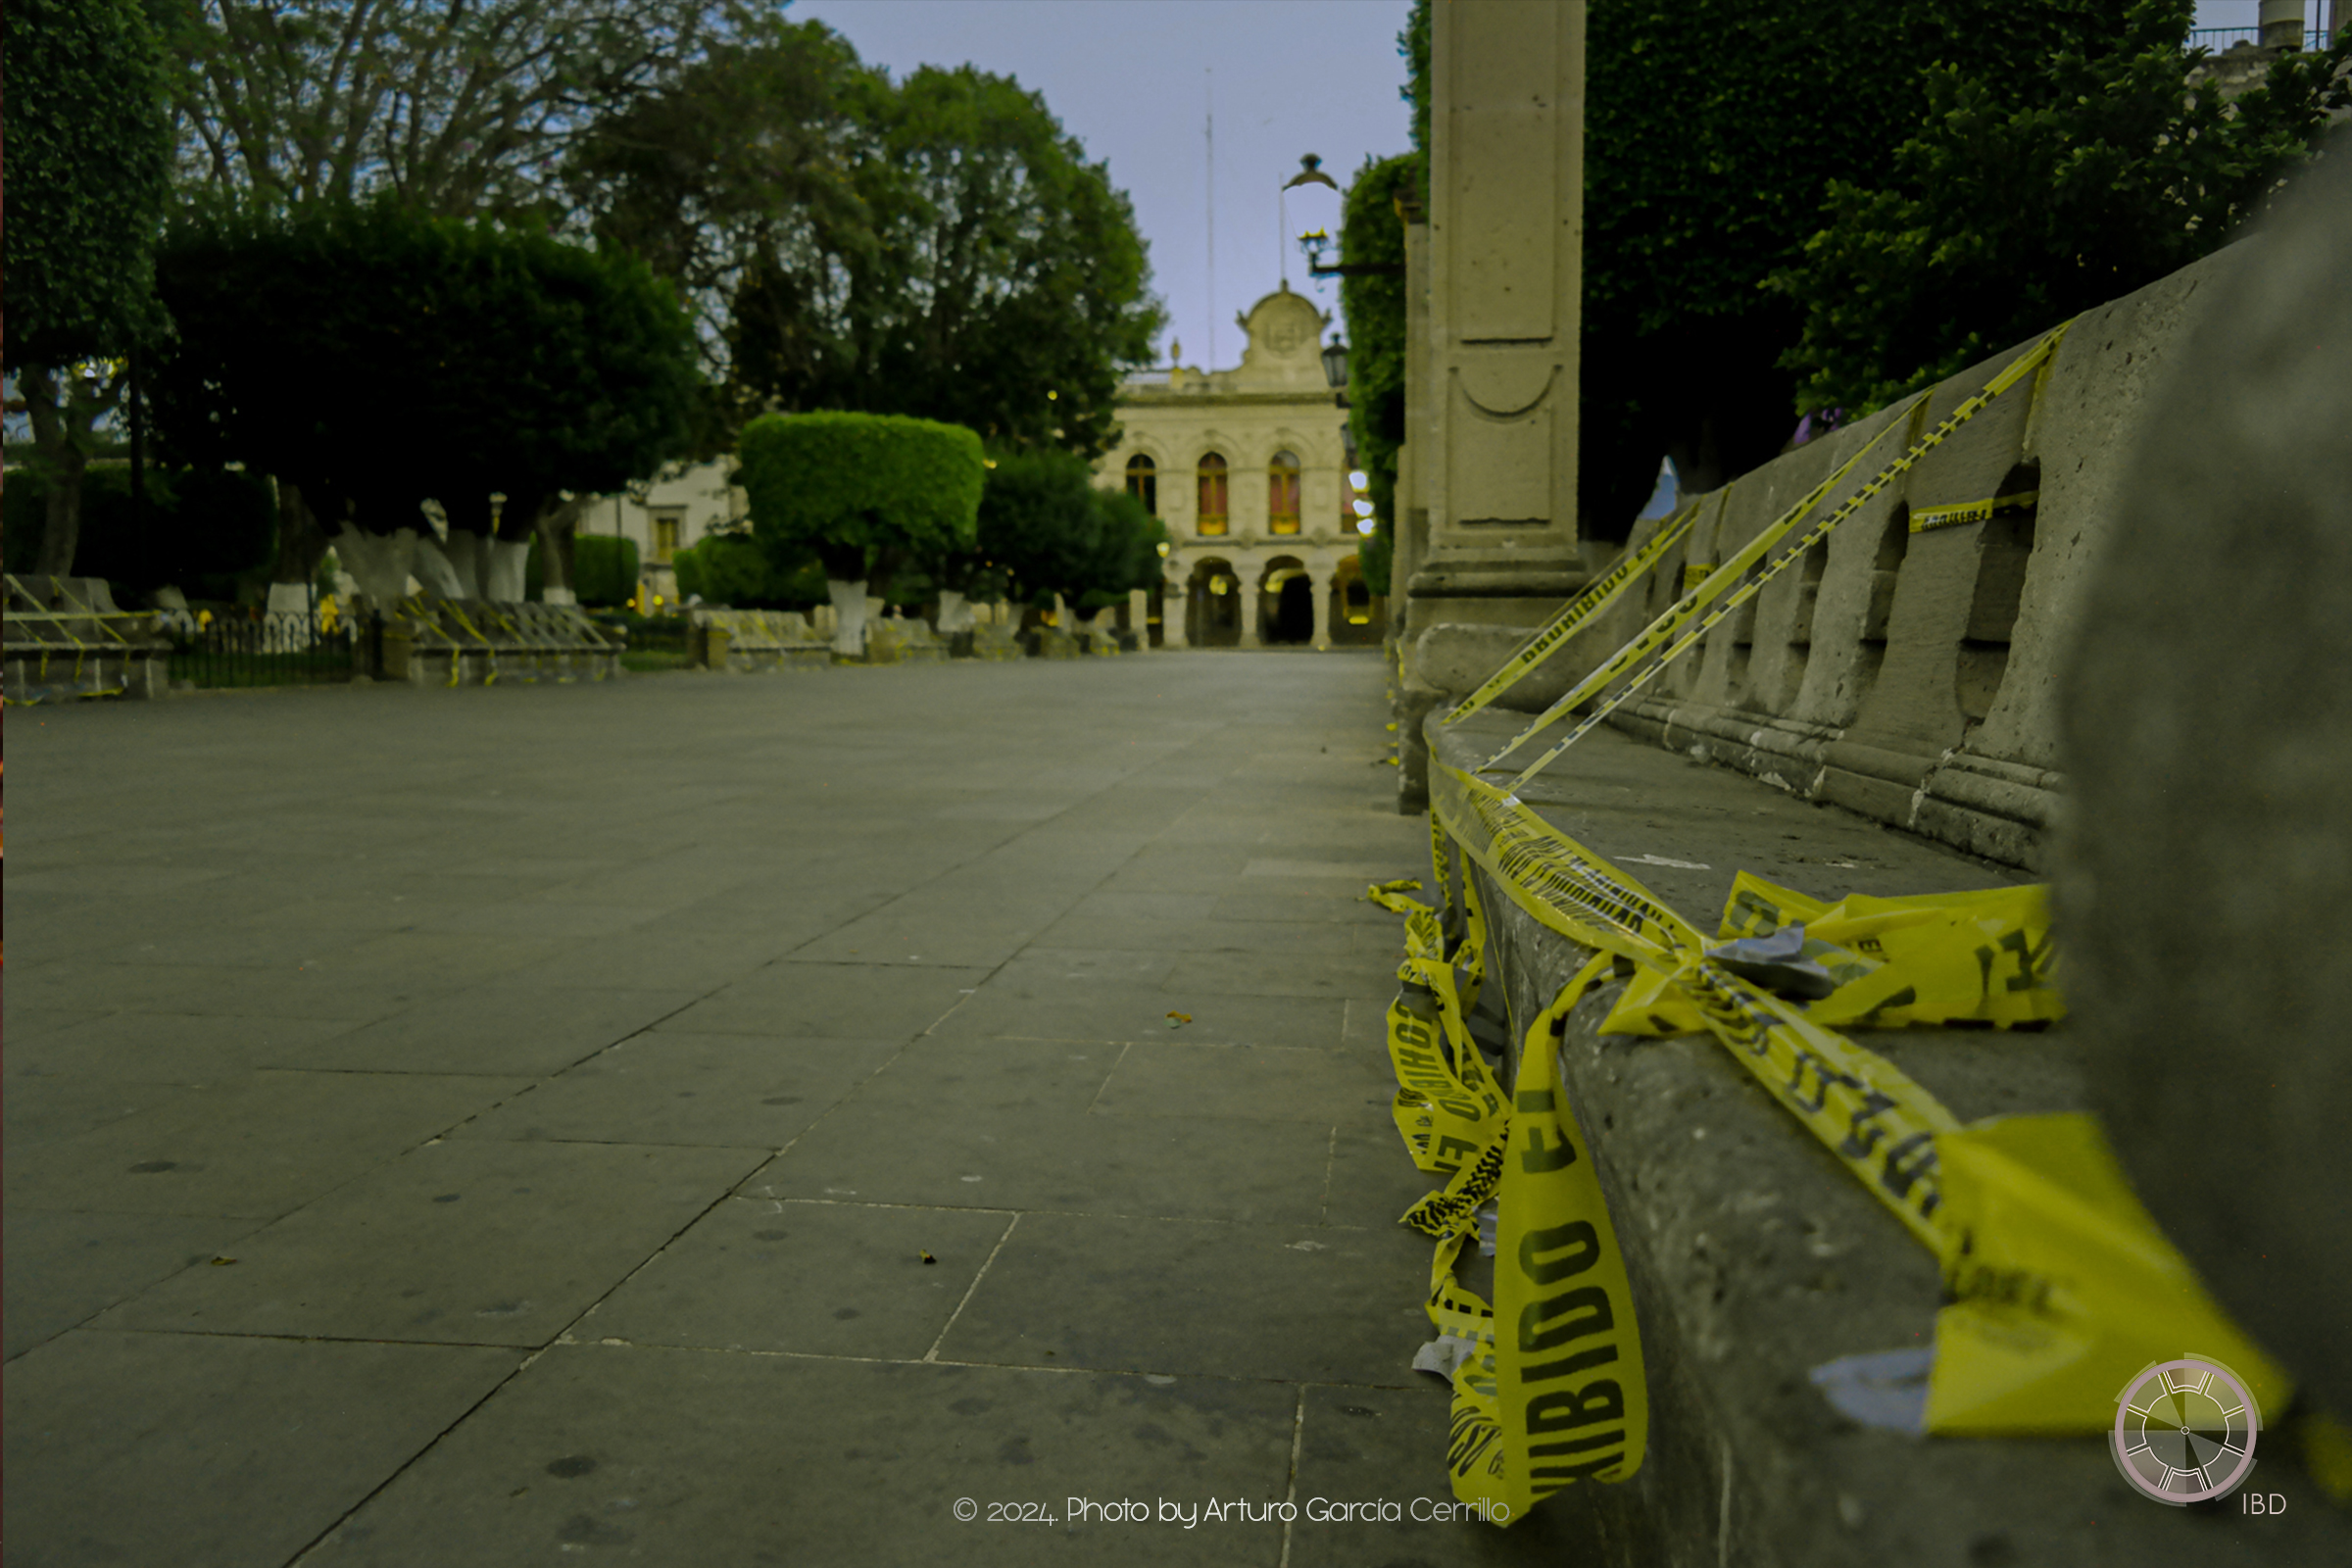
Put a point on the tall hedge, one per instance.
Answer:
(844, 486)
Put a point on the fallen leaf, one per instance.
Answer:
(1177, 1020)
(928, 1258)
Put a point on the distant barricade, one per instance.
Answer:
(995, 640)
(903, 642)
(748, 640)
(66, 638)
(429, 641)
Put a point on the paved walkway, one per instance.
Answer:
(501, 1126)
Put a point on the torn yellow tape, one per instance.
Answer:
(2061, 1287)
(1552, 1390)
(1982, 957)
(1928, 518)
(1579, 613)
(1447, 1104)
(1741, 578)
(1863, 1108)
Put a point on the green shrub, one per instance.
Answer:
(844, 486)
(724, 570)
(604, 569)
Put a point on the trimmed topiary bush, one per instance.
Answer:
(858, 491)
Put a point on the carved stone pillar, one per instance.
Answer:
(1494, 417)
(1320, 581)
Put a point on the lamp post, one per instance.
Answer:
(1313, 242)
(1335, 364)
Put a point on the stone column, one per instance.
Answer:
(1250, 599)
(1321, 581)
(1409, 524)
(1175, 606)
(1138, 617)
(1497, 406)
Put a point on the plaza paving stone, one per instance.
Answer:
(501, 1125)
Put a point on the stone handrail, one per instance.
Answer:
(1905, 669)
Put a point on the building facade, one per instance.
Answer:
(670, 514)
(1249, 471)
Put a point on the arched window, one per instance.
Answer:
(1143, 482)
(1281, 493)
(1212, 494)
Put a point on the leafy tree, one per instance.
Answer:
(1704, 170)
(1372, 230)
(496, 360)
(2014, 208)
(1048, 530)
(88, 170)
(990, 276)
(1039, 524)
(1128, 555)
(861, 492)
(457, 106)
(202, 528)
(745, 156)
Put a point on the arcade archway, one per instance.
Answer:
(1286, 601)
(1212, 605)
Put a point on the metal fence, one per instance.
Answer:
(295, 647)
(2221, 39)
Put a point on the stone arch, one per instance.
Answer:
(1214, 595)
(1355, 610)
(1285, 600)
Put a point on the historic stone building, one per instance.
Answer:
(1250, 469)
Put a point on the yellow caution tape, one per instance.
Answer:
(490, 651)
(1578, 614)
(1741, 578)
(1448, 1104)
(2061, 1287)
(1931, 518)
(1863, 1108)
(1552, 1389)
(1696, 572)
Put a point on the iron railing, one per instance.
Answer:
(252, 648)
(2218, 39)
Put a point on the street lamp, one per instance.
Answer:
(1335, 364)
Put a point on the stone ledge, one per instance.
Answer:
(1755, 1258)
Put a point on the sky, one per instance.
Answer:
(1134, 81)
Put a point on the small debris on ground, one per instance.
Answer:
(1177, 1020)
